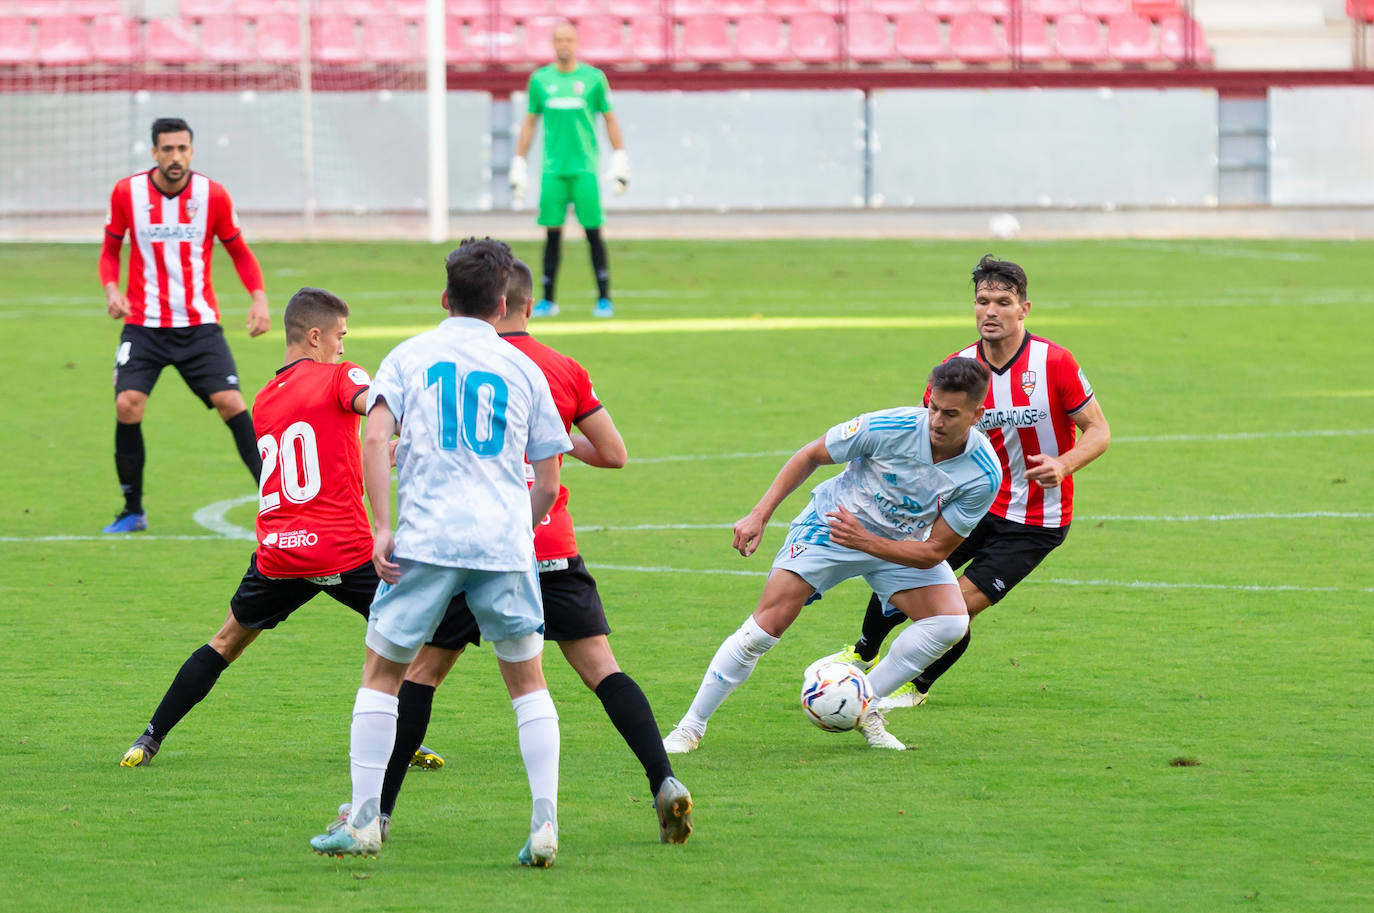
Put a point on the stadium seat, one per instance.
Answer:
(496, 42)
(998, 9)
(1173, 33)
(201, 9)
(759, 39)
(467, 9)
(171, 41)
(1078, 38)
(684, 8)
(63, 42)
(114, 39)
(578, 9)
(525, 9)
(224, 39)
(975, 38)
(814, 38)
(1049, 8)
(947, 9)
(736, 8)
(1105, 9)
(1131, 38)
(892, 8)
(632, 9)
(387, 40)
(536, 45)
(413, 10)
(919, 39)
(37, 9)
(651, 39)
(1034, 44)
(278, 39)
(456, 47)
(1157, 9)
(256, 9)
(17, 44)
(867, 38)
(600, 39)
(334, 40)
(89, 9)
(787, 8)
(706, 39)
(1354, 10)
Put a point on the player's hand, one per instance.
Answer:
(115, 303)
(1045, 470)
(749, 533)
(259, 320)
(382, 547)
(391, 450)
(846, 530)
(519, 177)
(620, 169)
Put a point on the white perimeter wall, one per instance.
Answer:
(1321, 146)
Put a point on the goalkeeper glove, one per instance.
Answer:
(519, 176)
(620, 169)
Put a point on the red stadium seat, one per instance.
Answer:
(631, 9)
(577, 9)
(278, 39)
(171, 41)
(524, 9)
(706, 39)
(89, 9)
(256, 9)
(684, 8)
(224, 39)
(1105, 9)
(17, 44)
(790, 7)
(814, 38)
(114, 39)
(600, 39)
(201, 9)
(1050, 8)
(37, 9)
(975, 38)
(387, 40)
(868, 39)
(1157, 9)
(334, 40)
(892, 8)
(1078, 38)
(1131, 38)
(998, 9)
(1034, 43)
(651, 38)
(413, 10)
(919, 38)
(735, 8)
(1354, 10)
(948, 9)
(537, 43)
(467, 9)
(495, 42)
(1173, 40)
(63, 42)
(759, 39)
(456, 47)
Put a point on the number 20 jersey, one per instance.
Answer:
(311, 521)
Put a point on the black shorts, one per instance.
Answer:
(572, 606)
(264, 602)
(1000, 553)
(199, 354)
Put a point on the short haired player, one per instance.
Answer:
(916, 481)
(1037, 399)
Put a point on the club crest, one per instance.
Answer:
(1028, 382)
(191, 209)
(795, 550)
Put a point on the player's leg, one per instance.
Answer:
(938, 619)
(138, 362)
(587, 206)
(207, 366)
(554, 195)
(415, 702)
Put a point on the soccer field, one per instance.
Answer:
(1172, 713)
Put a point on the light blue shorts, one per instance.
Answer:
(809, 554)
(506, 604)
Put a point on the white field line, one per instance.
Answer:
(1236, 252)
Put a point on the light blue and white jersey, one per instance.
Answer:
(471, 407)
(893, 486)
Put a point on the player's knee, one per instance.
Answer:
(129, 406)
(752, 639)
(519, 649)
(946, 629)
(432, 665)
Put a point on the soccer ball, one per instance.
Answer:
(834, 695)
(1004, 226)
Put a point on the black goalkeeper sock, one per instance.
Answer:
(413, 706)
(129, 457)
(629, 710)
(600, 267)
(875, 629)
(246, 440)
(941, 665)
(553, 248)
(193, 681)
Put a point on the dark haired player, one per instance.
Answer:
(312, 531)
(915, 483)
(170, 313)
(1037, 398)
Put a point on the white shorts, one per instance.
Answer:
(405, 615)
(808, 553)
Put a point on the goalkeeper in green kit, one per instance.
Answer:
(569, 95)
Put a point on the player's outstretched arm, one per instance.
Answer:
(620, 159)
(381, 425)
(797, 469)
(847, 531)
(599, 443)
(544, 490)
(1095, 435)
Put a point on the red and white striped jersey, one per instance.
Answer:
(1029, 407)
(169, 260)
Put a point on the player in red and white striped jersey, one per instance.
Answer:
(1045, 423)
(170, 313)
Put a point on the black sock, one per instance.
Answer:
(129, 455)
(553, 247)
(600, 267)
(941, 665)
(193, 681)
(246, 440)
(413, 706)
(629, 710)
(875, 629)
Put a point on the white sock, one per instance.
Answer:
(923, 642)
(733, 663)
(371, 739)
(537, 722)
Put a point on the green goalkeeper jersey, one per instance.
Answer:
(569, 103)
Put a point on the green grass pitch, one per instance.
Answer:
(1212, 603)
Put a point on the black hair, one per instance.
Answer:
(962, 375)
(170, 125)
(312, 307)
(1000, 274)
(478, 272)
